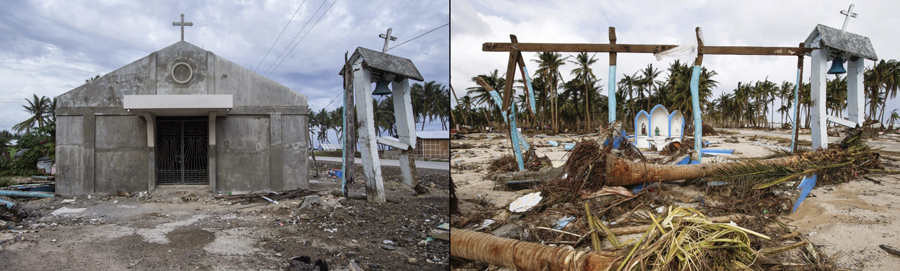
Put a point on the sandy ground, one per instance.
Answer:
(183, 228)
(846, 221)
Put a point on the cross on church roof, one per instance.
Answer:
(182, 24)
(387, 37)
(847, 14)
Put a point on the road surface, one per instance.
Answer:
(393, 163)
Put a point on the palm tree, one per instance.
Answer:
(836, 95)
(481, 95)
(384, 116)
(323, 123)
(895, 117)
(39, 108)
(585, 75)
(647, 81)
(548, 66)
(336, 122)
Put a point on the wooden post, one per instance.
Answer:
(611, 92)
(349, 142)
(797, 101)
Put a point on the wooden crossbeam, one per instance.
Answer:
(641, 48)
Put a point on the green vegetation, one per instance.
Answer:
(37, 134)
(572, 104)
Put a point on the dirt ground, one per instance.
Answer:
(184, 228)
(847, 221)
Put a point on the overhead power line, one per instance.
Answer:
(423, 34)
(295, 37)
(304, 35)
(279, 36)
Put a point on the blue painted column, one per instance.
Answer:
(612, 93)
(530, 89)
(514, 136)
(796, 103)
(698, 122)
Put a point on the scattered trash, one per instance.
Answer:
(440, 234)
(445, 226)
(553, 143)
(805, 187)
(484, 225)
(66, 210)
(268, 199)
(331, 230)
(609, 190)
(525, 202)
(568, 146)
(813, 234)
(68, 200)
(562, 222)
(255, 197)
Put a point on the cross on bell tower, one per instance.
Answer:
(182, 24)
(847, 14)
(387, 38)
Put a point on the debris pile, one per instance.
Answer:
(612, 208)
(270, 196)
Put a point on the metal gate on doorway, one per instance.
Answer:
(181, 150)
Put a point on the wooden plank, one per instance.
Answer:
(641, 48)
(699, 60)
(521, 61)
(510, 73)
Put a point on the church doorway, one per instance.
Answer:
(181, 150)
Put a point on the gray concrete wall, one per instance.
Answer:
(107, 91)
(69, 153)
(187, 53)
(242, 157)
(294, 132)
(121, 159)
(253, 90)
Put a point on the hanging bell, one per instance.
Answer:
(381, 88)
(837, 66)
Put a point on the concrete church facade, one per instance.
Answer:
(181, 115)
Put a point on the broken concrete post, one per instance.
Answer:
(524, 255)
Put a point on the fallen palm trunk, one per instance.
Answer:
(623, 172)
(524, 255)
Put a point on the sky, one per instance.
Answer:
(723, 23)
(50, 47)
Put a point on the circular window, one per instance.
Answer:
(182, 72)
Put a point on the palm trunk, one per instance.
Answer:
(624, 172)
(526, 256)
